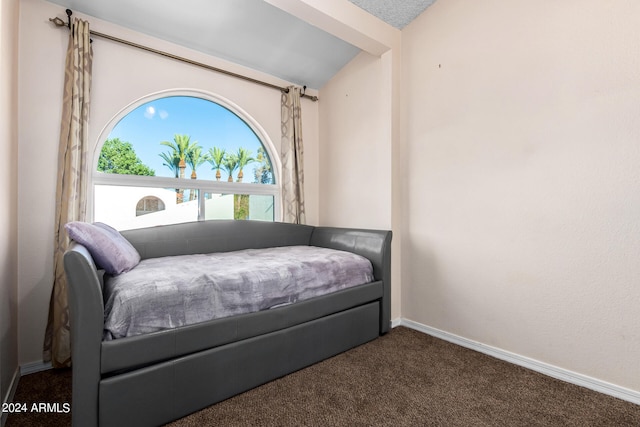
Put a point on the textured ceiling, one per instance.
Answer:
(252, 33)
(397, 13)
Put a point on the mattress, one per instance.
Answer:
(169, 292)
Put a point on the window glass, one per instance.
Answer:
(113, 206)
(239, 206)
(185, 137)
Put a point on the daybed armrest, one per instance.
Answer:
(374, 245)
(86, 311)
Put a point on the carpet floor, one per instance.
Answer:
(405, 378)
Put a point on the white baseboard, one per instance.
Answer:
(535, 365)
(32, 368)
(396, 322)
(8, 398)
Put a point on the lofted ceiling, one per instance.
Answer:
(252, 33)
(395, 13)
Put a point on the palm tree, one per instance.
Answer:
(230, 164)
(181, 145)
(194, 159)
(262, 173)
(216, 157)
(244, 158)
(171, 161)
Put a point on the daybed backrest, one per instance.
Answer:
(215, 236)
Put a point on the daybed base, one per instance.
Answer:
(153, 395)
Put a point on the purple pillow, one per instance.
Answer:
(108, 248)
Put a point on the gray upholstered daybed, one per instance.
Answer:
(157, 377)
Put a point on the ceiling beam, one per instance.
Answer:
(344, 20)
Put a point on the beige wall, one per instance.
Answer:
(513, 196)
(355, 148)
(359, 126)
(356, 153)
(522, 194)
(8, 185)
(121, 75)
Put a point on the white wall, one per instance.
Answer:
(9, 12)
(522, 194)
(121, 75)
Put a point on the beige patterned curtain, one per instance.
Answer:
(71, 186)
(292, 158)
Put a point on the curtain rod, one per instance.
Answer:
(60, 23)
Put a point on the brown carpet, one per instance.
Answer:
(404, 378)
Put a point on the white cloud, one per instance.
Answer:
(149, 112)
(163, 114)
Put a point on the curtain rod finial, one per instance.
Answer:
(58, 22)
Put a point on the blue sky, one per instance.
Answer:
(204, 121)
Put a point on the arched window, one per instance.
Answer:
(181, 157)
(149, 204)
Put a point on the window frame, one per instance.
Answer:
(208, 186)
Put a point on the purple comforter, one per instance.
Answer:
(168, 292)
